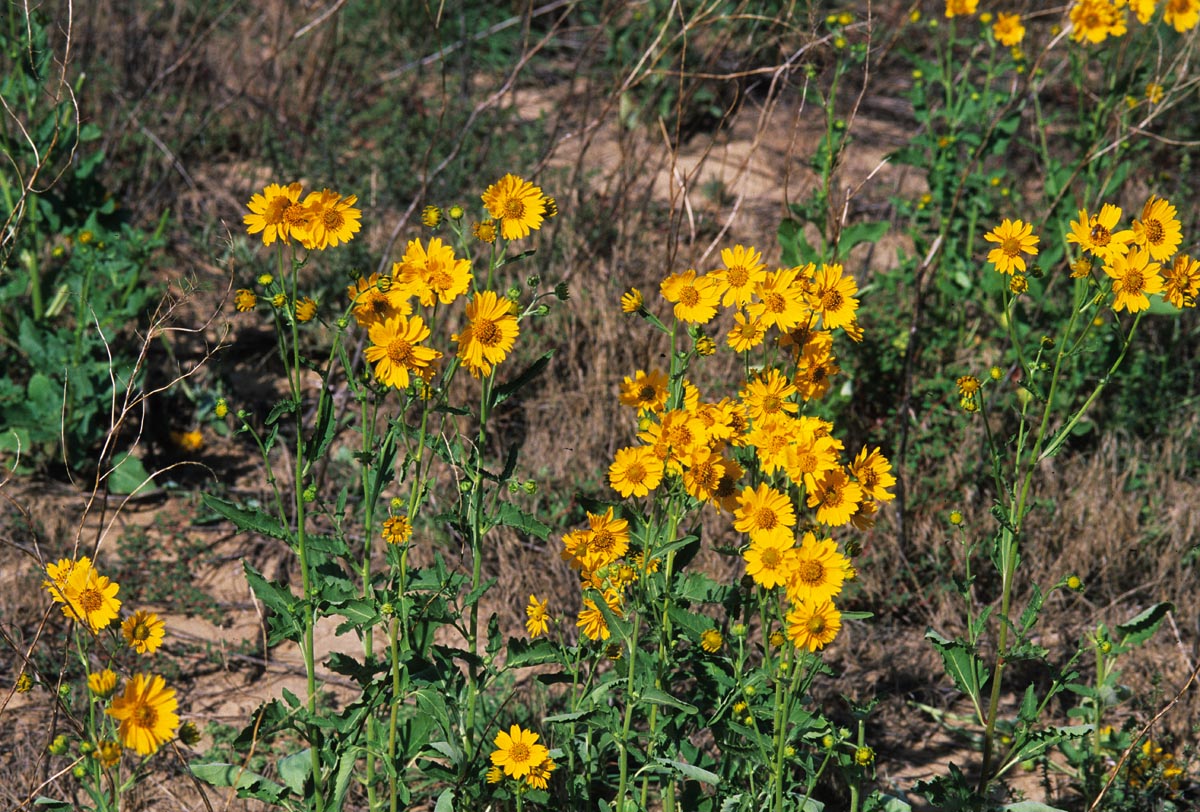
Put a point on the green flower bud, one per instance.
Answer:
(189, 734)
(310, 493)
(59, 745)
(533, 281)
(562, 292)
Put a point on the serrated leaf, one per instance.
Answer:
(294, 770)
(961, 663)
(524, 653)
(1140, 628)
(506, 390)
(246, 518)
(248, 784)
(510, 515)
(281, 408)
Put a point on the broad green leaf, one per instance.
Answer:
(506, 390)
(248, 784)
(524, 653)
(1030, 806)
(961, 663)
(1142, 627)
(796, 248)
(445, 801)
(656, 696)
(127, 475)
(691, 771)
(251, 519)
(856, 233)
(54, 806)
(284, 623)
(510, 515)
(295, 769)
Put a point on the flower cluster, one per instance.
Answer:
(1097, 20)
(146, 708)
(323, 219)
(519, 756)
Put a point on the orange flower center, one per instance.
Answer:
(275, 209)
(513, 210)
(486, 332)
(441, 280)
(647, 394)
(400, 352)
(771, 558)
(145, 716)
(810, 572)
(635, 473)
(91, 600)
(816, 624)
(1011, 246)
(602, 542)
(775, 303)
(806, 462)
(334, 220)
(1154, 231)
(518, 753)
(141, 632)
(771, 404)
(1133, 282)
(832, 497)
(737, 276)
(689, 296)
(706, 476)
(765, 518)
(831, 301)
(295, 216)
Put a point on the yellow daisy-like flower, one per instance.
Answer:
(244, 300)
(591, 621)
(695, 297)
(397, 530)
(146, 711)
(1095, 234)
(1135, 277)
(635, 471)
(494, 775)
(781, 300)
(143, 631)
(1096, 20)
(433, 274)
(764, 513)
(769, 560)
(1015, 237)
(725, 495)
(1181, 282)
(492, 332)
(809, 456)
(517, 751)
(874, 474)
(1158, 229)
(306, 309)
(746, 333)
(539, 774)
(1182, 15)
(836, 498)
(1008, 30)
(771, 438)
(333, 220)
(517, 204)
(832, 296)
(742, 273)
(86, 596)
(485, 231)
(711, 640)
(632, 301)
(1143, 9)
(609, 540)
(645, 391)
(431, 216)
(378, 298)
(813, 626)
(818, 571)
(769, 394)
(704, 471)
(396, 350)
(960, 8)
(267, 212)
(537, 620)
(102, 683)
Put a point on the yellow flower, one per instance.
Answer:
(86, 596)
(695, 298)
(146, 711)
(332, 220)
(377, 298)
(306, 309)
(485, 231)
(1158, 229)
(265, 279)
(764, 513)
(769, 394)
(705, 471)
(813, 626)
(517, 204)
(818, 571)
(781, 300)
(1008, 30)
(1096, 20)
(1154, 93)
(539, 774)
(769, 560)
(1018, 284)
(1095, 234)
(635, 471)
(832, 296)
(494, 775)
(711, 640)
(742, 273)
(960, 8)
(244, 300)
(1182, 281)
(221, 409)
(645, 391)
(431, 216)
(433, 274)
(188, 441)
(1015, 237)
(397, 530)
(108, 753)
(836, 498)
(1182, 15)
(1134, 279)
(24, 683)
(102, 683)
(492, 332)
(396, 350)
(608, 541)
(746, 333)
(631, 301)
(267, 211)
(143, 631)
(537, 622)
(968, 385)
(278, 300)
(874, 474)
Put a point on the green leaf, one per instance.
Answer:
(796, 248)
(1029, 706)
(285, 624)
(1030, 806)
(656, 696)
(359, 614)
(961, 663)
(691, 771)
(445, 801)
(524, 653)
(251, 519)
(279, 410)
(510, 515)
(856, 233)
(53, 805)
(506, 390)
(248, 784)
(294, 770)
(1142, 627)
(127, 475)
